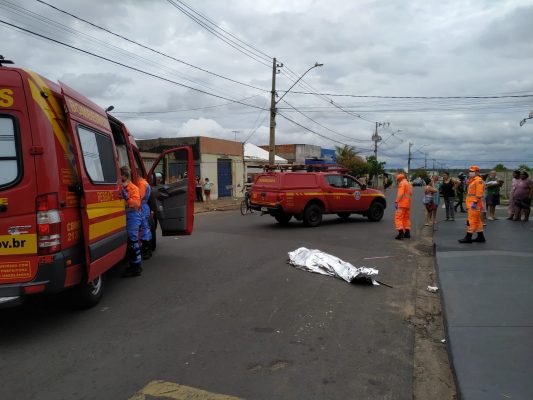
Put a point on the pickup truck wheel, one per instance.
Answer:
(312, 215)
(344, 215)
(283, 219)
(88, 294)
(376, 211)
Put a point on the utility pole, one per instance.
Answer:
(425, 161)
(273, 102)
(272, 142)
(235, 132)
(409, 160)
(376, 138)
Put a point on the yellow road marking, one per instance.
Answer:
(169, 390)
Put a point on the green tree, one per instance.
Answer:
(374, 166)
(499, 167)
(419, 173)
(348, 158)
(524, 167)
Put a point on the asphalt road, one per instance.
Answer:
(222, 311)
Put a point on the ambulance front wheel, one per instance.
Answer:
(88, 294)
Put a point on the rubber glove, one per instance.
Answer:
(474, 207)
(124, 194)
(395, 206)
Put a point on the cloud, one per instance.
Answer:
(415, 48)
(510, 34)
(100, 85)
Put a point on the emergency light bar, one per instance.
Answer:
(305, 167)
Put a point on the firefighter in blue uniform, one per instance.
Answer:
(130, 193)
(146, 234)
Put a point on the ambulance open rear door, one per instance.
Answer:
(172, 178)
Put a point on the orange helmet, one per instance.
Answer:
(474, 168)
(399, 177)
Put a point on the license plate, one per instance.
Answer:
(264, 209)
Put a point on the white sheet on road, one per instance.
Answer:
(326, 264)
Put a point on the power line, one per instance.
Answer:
(267, 57)
(149, 48)
(91, 39)
(316, 133)
(417, 97)
(256, 124)
(230, 42)
(180, 110)
(323, 126)
(128, 66)
(323, 97)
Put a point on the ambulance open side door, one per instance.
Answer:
(103, 216)
(173, 181)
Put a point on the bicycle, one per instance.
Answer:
(245, 207)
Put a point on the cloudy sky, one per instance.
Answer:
(213, 73)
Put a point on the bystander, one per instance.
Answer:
(511, 207)
(522, 197)
(447, 189)
(492, 198)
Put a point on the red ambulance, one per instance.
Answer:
(62, 218)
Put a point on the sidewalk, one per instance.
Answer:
(221, 204)
(487, 297)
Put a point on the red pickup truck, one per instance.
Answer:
(309, 195)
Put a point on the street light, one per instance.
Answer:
(524, 120)
(298, 80)
(273, 103)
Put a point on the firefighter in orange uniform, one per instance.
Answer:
(474, 205)
(402, 218)
(130, 193)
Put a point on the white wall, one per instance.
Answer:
(208, 169)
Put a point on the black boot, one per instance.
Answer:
(146, 250)
(407, 234)
(400, 235)
(133, 270)
(480, 238)
(466, 239)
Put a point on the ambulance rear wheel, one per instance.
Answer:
(375, 212)
(88, 294)
(283, 219)
(312, 215)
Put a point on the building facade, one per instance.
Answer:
(296, 153)
(219, 160)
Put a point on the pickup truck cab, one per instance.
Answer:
(310, 193)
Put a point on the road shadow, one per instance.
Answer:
(45, 312)
(272, 224)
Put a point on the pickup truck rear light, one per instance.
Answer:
(48, 224)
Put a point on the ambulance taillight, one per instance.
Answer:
(48, 224)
